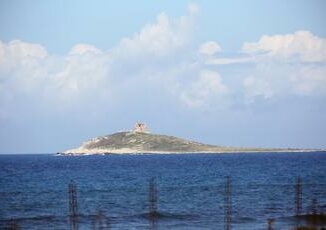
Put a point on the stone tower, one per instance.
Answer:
(140, 128)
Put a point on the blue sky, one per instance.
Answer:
(237, 73)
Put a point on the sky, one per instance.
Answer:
(233, 73)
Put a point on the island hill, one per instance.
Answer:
(139, 140)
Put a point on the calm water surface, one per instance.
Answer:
(34, 189)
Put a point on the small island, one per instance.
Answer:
(140, 141)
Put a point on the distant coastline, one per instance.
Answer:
(180, 153)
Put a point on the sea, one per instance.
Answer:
(186, 191)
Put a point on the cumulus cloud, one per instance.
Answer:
(28, 68)
(227, 61)
(206, 88)
(159, 58)
(86, 77)
(277, 66)
(22, 64)
(209, 48)
(270, 80)
(309, 80)
(161, 38)
(19, 49)
(302, 45)
(84, 48)
(291, 64)
(17, 55)
(193, 8)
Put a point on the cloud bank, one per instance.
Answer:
(158, 59)
(155, 59)
(281, 66)
(301, 46)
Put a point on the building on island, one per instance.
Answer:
(140, 128)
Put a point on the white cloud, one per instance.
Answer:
(158, 59)
(257, 87)
(21, 66)
(84, 48)
(209, 48)
(81, 76)
(291, 64)
(280, 66)
(28, 72)
(302, 44)
(166, 35)
(309, 80)
(205, 89)
(17, 54)
(19, 49)
(279, 80)
(88, 76)
(226, 61)
(193, 8)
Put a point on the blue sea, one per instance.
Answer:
(190, 189)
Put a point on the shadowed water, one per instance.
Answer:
(34, 189)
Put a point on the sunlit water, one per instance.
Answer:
(34, 189)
